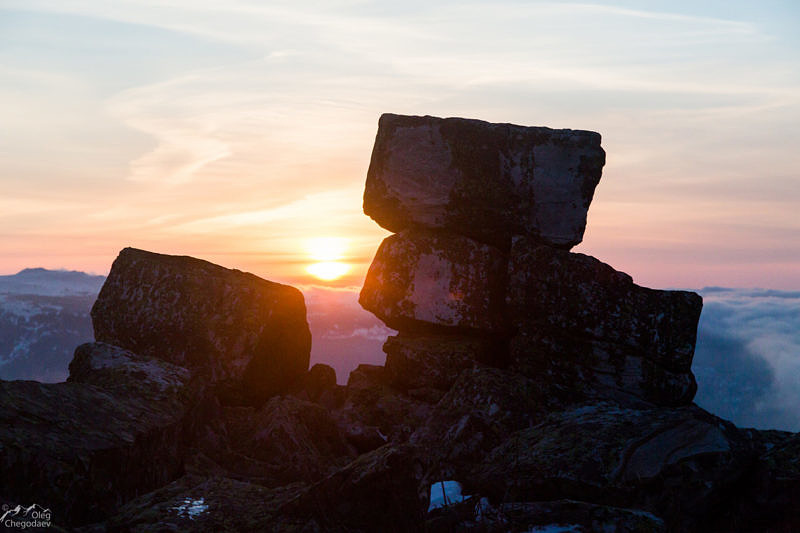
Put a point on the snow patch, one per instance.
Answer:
(556, 528)
(191, 508)
(444, 493)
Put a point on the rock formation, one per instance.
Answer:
(550, 390)
(560, 313)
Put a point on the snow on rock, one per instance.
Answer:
(444, 493)
(191, 508)
(556, 528)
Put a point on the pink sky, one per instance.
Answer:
(236, 132)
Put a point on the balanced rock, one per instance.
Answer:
(487, 181)
(247, 335)
(580, 318)
(119, 427)
(422, 280)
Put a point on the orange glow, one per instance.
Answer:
(328, 270)
(327, 251)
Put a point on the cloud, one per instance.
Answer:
(343, 334)
(747, 360)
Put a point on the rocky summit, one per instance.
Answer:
(528, 388)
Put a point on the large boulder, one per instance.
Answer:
(582, 321)
(120, 426)
(678, 463)
(487, 181)
(424, 280)
(247, 335)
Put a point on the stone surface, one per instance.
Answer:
(766, 499)
(674, 462)
(375, 413)
(379, 491)
(564, 516)
(432, 361)
(483, 407)
(422, 280)
(580, 320)
(247, 335)
(321, 379)
(486, 181)
(119, 427)
(197, 503)
(376, 492)
(284, 441)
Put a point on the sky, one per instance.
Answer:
(237, 131)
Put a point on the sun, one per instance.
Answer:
(326, 253)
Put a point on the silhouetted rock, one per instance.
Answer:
(483, 407)
(486, 181)
(376, 492)
(119, 427)
(675, 462)
(421, 280)
(766, 498)
(196, 503)
(379, 491)
(565, 515)
(584, 322)
(321, 378)
(284, 441)
(247, 335)
(432, 361)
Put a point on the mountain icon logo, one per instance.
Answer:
(23, 517)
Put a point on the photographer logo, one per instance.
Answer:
(19, 517)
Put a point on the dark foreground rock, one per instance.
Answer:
(486, 181)
(120, 427)
(247, 335)
(376, 492)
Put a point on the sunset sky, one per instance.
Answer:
(239, 131)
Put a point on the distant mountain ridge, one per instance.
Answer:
(44, 282)
(44, 315)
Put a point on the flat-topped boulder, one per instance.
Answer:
(585, 322)
(119, 427)
(247, 335)
(483, 180)
(422, 279)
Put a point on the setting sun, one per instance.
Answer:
(327, 251)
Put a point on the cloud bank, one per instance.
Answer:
(747, 360)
